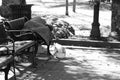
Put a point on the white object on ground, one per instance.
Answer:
(58, 50)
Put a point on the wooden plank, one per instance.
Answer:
(19, 45)
(5, 60)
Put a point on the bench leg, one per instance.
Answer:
(14, 69)
(32, 54)
(6, 71)
(35, 49)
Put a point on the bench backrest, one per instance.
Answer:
(3, 34)
(16, 24)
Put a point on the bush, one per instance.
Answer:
(62, 29)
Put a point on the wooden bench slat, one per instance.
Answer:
(19, 45)
(4, 60)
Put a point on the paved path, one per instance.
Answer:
(81, 63)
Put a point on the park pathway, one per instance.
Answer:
(80, 63)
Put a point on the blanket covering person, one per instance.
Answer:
(42, 30)
(38, 25)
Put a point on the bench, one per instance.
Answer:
(7, 56)
(36, 28)
(14, 29)
(23, 47)
(6, 59)
(16, 24)
(5, 64)
(14, 48)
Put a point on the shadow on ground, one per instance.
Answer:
(81, 63)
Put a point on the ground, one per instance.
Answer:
(80, 63)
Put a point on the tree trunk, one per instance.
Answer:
(67, 13)
(115, 22)
(74, 5)
(115, 19)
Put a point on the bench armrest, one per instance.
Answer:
(22, 33)
(19, 31)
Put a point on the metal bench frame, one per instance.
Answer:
(8, 62)
(4, 38)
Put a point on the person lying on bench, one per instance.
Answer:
(42, 31)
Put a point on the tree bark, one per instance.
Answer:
(115, 20)
(67, 13)
(74, 5)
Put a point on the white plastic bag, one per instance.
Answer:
(58, 50)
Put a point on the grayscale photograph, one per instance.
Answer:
(59, 39)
